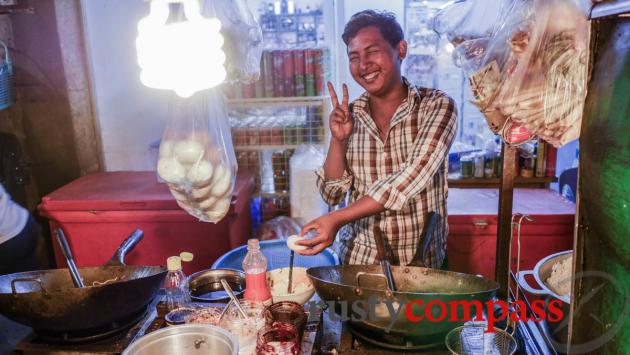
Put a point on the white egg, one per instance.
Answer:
(208, 203)
(221, 181)
(171, 170)
(166, 149)
(185, 205)
(200, 174)
(188, 151)
(213, 216)
(223, 205)
(201, 193)
(178, 195)
(292, 243)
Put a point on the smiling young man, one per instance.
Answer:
(389, 148)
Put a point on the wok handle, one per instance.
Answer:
(14, 281)
(119, 256)
(520, 276)
(361, 274)
(65, 249)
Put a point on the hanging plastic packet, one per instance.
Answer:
(196, 157)
(243, 38)
(528, 76)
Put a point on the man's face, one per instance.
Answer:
(374, 64)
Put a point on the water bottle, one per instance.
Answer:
(255, 267)
(176, 284)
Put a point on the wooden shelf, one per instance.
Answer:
(541, 182)
(280, 101)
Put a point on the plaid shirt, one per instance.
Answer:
(407, 174)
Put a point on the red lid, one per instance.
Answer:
(120, 190)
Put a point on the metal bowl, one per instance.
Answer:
(205, 285)
(541, 272)
(188, 339)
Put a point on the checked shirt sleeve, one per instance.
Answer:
(430, 148)
(333, 191)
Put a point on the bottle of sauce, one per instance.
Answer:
(255, 267)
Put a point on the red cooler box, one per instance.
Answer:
(98, 211)
(472, 218)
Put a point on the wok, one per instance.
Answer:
(48, 301)
(353, 283)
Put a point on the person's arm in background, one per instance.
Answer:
(333, 179)
(431, 147)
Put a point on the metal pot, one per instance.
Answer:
(541, 273)
(186, 339)
(205, 285)
(360, 283)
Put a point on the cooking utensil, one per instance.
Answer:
(473, 339)
(384, 259)
(47, 300)
(333, 283)
(228, 289)
(205, 286)
(67, 253)
(541, 272)
(292, 258)
(184, 340)
(420, 257)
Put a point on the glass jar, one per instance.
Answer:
(278, 339)
(287, 312)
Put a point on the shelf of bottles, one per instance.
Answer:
(286, 26)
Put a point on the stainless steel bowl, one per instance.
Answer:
(189, 339)
(205, 285)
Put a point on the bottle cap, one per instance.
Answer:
(174, 263)
(253, 244)
(186, 256)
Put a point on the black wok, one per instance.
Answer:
(48, 301)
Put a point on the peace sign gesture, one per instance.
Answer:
(341, 122)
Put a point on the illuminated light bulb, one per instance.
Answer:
(183, 56)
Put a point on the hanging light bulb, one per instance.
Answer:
(182, 56)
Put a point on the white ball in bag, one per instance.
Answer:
(221, 181)
(171, 170)
(188, 151)
(223, 205)
(200, 194)
(215, 216)
(178, 195)
(200, 174)
(166, 149)
(208, 203)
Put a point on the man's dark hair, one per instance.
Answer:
(383, 20)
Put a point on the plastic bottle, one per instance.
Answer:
(255, 267)
(176, 284)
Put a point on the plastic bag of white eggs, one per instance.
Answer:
(196, 157)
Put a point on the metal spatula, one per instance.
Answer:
(384, 259)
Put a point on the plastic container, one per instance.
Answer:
(98, 211)
(306, 201)
(255, 267)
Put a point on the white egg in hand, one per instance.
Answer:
(200, 174)
(292, 243)
(188, 152)
(171, 170)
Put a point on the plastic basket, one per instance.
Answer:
(6, 79)
(277, 254)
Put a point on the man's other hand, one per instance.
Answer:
(341, 122)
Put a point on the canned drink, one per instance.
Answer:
(278, 74)
(489, 166)
(298, 65)
(319, 67)
(309, 70)
(260, 87)
(267, 72)
(289, 73)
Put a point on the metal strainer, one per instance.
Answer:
(473, 340)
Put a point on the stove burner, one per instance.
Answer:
(391, 341)
(91, 335)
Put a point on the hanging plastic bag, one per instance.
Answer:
(528, 77)
(196, 157)
(243, 38)
(465, 20)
